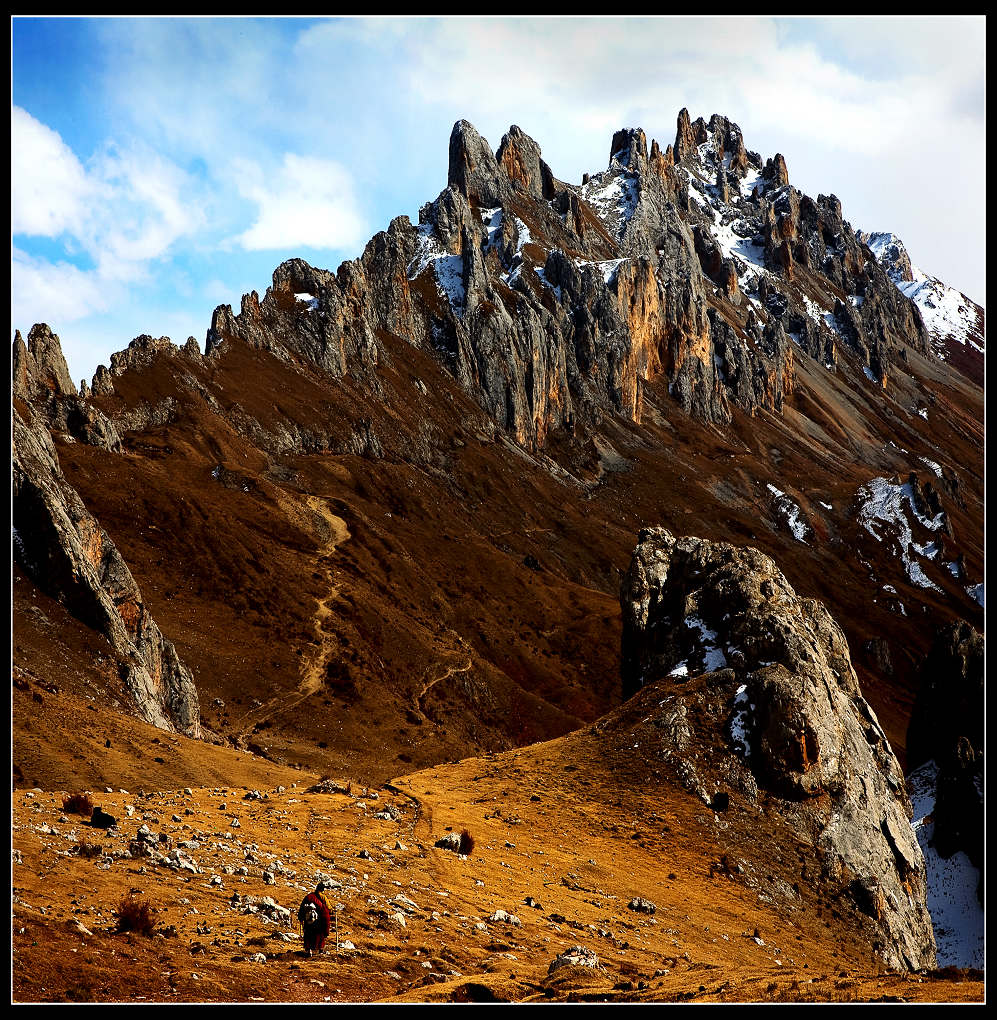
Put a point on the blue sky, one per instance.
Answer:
(163, 166)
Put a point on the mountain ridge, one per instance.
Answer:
(492, 405)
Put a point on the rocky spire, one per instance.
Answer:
(775, 170)
(688, 135)
(39, 368)
(629, 149)
(474, 171)
(519, 156)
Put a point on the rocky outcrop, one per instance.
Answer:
(309, 314)
(63, 548)
(40, 377)
(890, 253)
(797, 727)
(549, 308)
(39, 367)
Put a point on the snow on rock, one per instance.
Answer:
(613, 195)
(309, 300)
(956, 912)
(822, 316)
(448, 269)
(976, 591)
(713, 656)
(882, 503)
(792, 514)
(947, 313)
(607, 269)
(742, 721)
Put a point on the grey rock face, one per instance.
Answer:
(474, 170)
(40, 377)
(39, 368)
(800, 725)
(552, 304)
(63, 548)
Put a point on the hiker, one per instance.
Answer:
(315, 919)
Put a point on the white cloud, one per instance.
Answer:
(43, 291)
(124, 209)
(307, 203)
(49, 188)
(147, 205)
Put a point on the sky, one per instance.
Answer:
(163, 166)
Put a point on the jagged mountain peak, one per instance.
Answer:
(385, 515)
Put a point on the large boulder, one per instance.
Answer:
(791, 723)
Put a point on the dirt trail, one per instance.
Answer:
(314, 664)
(432, 683)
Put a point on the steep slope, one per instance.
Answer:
(63, 548)
(493, 402)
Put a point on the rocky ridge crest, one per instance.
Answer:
(552, 304)
(63, 548)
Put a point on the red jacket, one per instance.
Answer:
(319, 904)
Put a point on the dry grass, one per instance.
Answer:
(466, 842)
(538, 836)
(135, 916)
(78, 804)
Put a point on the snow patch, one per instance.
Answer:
(613, 195)
(821, 315)
(956, 913)
(882, 503)
(947, 313)
(792, 514)
(608, 269)
(448, 269)
(742, 722)
(712, 653)
(976, 591)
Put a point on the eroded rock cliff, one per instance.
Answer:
(755, 693)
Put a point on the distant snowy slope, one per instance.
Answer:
(950, 317)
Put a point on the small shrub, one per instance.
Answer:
(466, 842)
(89, 850)
(78, 804)
(135, 915)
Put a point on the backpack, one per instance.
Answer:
(328, 901)
(309, 916)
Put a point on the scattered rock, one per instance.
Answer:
(641, 905)
(576, 956)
